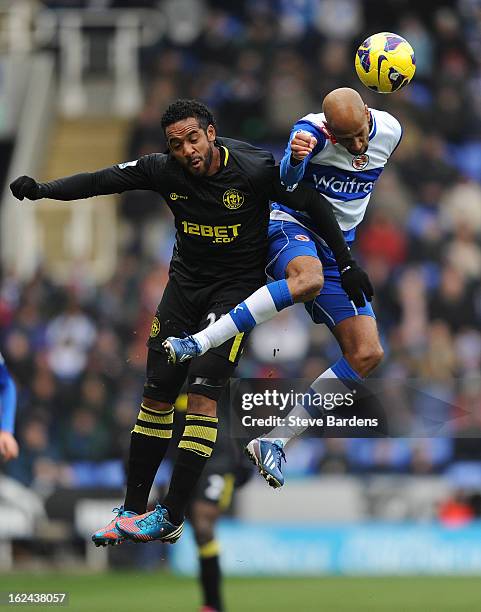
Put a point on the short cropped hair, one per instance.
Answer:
(183, 109)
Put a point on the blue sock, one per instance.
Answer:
(261, 305)
(343, 370)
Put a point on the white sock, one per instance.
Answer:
(261, 306)
(293, 431)
(216, 334)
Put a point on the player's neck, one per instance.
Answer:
(215, 163)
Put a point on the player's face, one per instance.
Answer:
(356, 137)
(191, 146)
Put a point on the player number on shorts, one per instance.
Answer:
(215, 487)
(210, 318)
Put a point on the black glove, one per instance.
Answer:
(356, 283)
(25, 187)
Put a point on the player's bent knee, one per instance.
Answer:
(153, 404)
(304, 278)
(306, 287)
(379, 354)
(157, 395)
(365, 359)
(199, 404)
(206, 387)
(376, 355)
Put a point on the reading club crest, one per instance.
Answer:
(360, 161)
(233, 199)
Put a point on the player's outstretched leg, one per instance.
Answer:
(166, 522)
(110, 535)
(351, 333)
(268, 455)
(149, 526)
(261, 306)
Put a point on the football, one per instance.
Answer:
(385, 62)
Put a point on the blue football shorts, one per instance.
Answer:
(287, 240)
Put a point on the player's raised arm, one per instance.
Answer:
(303, 141)
(139, 174)
(354, 280)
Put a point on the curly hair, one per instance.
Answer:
(183, 109)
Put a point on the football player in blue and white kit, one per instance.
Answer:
(341, 153)
(8, 405)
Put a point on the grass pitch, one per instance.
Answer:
(161, 592)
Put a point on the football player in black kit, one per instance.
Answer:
(218, 190)
(227, 470)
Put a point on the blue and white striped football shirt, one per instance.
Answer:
(346, 180)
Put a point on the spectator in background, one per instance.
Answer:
(463, 252)
(438, 363)
(413, 29)
(69, 337)
(451, 301)
(428, 163)
(85, 438)
(334, 63)
(461, 204)
(383, 238)
(288, 92)
(425, 232)
(340, 19)
(20, 354)
(36, 446)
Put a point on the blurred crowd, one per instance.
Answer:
(78, 351)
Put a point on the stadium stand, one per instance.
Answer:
(76, 346)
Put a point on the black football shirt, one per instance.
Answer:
(221, 220)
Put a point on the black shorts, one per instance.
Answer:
(227, 470)
(186, 308)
